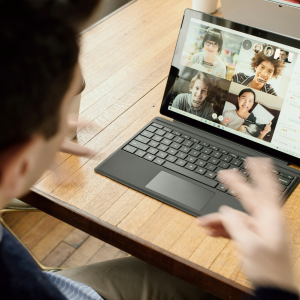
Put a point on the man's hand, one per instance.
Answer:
(261, 235)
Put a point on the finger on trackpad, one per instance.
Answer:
(180, 190)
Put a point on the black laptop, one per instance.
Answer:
(233, 91)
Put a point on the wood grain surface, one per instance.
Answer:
(125, 61)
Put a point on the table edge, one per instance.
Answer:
(144, 250)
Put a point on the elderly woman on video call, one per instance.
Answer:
(235, 118)
(208, 59)
(265, 68)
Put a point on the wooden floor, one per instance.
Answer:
(57, 244)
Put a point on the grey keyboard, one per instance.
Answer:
(192, 157)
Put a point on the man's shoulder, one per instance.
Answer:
(182, 97)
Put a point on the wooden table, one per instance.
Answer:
(125, 62)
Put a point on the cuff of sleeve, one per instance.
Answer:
(274, 294)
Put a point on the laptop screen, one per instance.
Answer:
(239, 83)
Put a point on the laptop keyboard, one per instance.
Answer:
(192, 157)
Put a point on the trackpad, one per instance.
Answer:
(180, 190)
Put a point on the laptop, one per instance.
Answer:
(232, 92)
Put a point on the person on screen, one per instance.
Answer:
(265, 69)
(257, 48)
(284, 56)
(195, 102)
(269, 51)
(235, 119)
(208, 60)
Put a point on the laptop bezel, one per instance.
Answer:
(255, 32)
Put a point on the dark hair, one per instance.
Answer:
(269, 48)
(38, 54)
(286, 52)
(246, 91)
(258, 58)
(214, 35)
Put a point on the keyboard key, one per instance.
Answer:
(244, 173)
(221, 188)
(162, 147)
(172, 151)
(236, 162)
(195, 140)
(218, 169)
(226, 158)
(140, 153)
(161, 154)
(149, 157)
(284, 180)
(166, 142)
(223, 165)
(175, 145)
(275, 172)
(186, 136)
(214, 148)
(190, 166)
(206, 151)
(210, 167)
(194, 153)
(191, 159)
(290, 177)
(139, 145)
(142, 139)
(243, 159)
(185, 149)
(181, 155)
(204, 144)
(151, 128)
(159, 161)
(200, 163)
(171, 158)
(200, 170)
(160, 132)
(181, 162)
(233, 155)
(216, 154)
(231, 192)
(157, 125)
(190, 174)
(169, 136)
(210, 174)
(147, 134)
(197, 147)
(178, 139)
(176, 132)
(167, 129)
(214, 161)
(187, 143)
(157, 138)
(130, 149)
(152, 151)
(153, 144)
(204, 156)
(223, 151)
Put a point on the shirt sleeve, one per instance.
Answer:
(263, 293)
(210, 111)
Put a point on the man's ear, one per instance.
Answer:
(16, 163)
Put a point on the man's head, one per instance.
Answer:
(283, 55)
(266, 67)
(199, 88)
(39, 78)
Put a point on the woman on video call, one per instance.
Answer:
(208, 60)
(235, 118)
